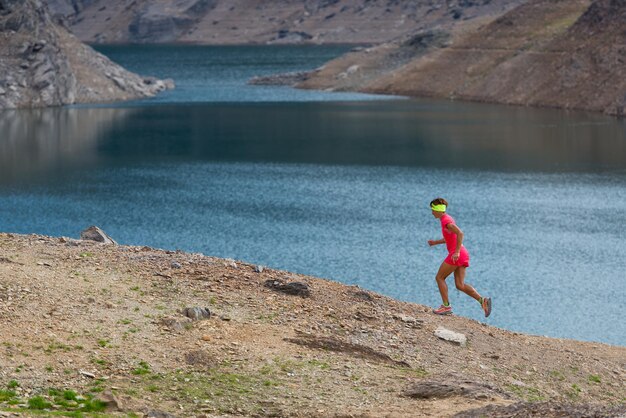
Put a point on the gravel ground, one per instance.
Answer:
(88, 326)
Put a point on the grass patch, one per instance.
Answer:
(418, 372)
(100, 362)
(143, 368)
(594, 378)
(268, 317)
(6, 395)
(57, 346)
(38, 402)
(219, 390)
(527, 393)
(557, 375)
(574, 392)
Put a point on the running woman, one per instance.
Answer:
(456, 262)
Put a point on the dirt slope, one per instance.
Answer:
(84, 321)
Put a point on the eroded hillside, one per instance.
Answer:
(569, 54)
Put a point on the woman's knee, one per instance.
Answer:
(460, 286)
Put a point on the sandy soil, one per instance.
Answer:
(83, 321)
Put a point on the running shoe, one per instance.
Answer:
(443, 310)
(487, 306)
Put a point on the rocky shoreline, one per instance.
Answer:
(127, 329)
(43, 64)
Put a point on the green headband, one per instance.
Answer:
(438, 208)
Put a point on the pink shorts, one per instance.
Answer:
(463, 260)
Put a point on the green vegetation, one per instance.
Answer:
(38, 402)
(223, 389)
(100, 362)
(6, 395)
(594, 378)
(268, 317)
(574, 392)
(418, 372)
(528, 393)
(62, 402)
(57, 346)
(557, 375)
(143, 368)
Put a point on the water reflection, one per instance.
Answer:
(403, 133)
(41, 144)
(36, 143)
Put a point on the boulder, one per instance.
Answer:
(93, 233)
(197, 313)
(454, 337)
(292, 288)
(112, 403)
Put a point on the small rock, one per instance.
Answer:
(197, 313)
(293, 288)
(409, 320)
(175, 265)
(363, 295)
(352, 69)
(453, 337)
(93, 233)
(111, 402)
(258, 269)
(87, 374)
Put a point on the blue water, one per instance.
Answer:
(338, 186)
(220, 73)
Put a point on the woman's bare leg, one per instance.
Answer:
(444, 271)
(459, 280)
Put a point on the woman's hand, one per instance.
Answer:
(455, 256)
(432, 242)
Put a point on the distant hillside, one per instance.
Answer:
(42, 64)
(557, 53)
(270, 21)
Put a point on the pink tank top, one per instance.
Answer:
(450, 237)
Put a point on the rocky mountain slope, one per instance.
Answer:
(42, 64)
(125, 330)
(569, 54)
(268, 21)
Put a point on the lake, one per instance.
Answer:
(337, 185)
